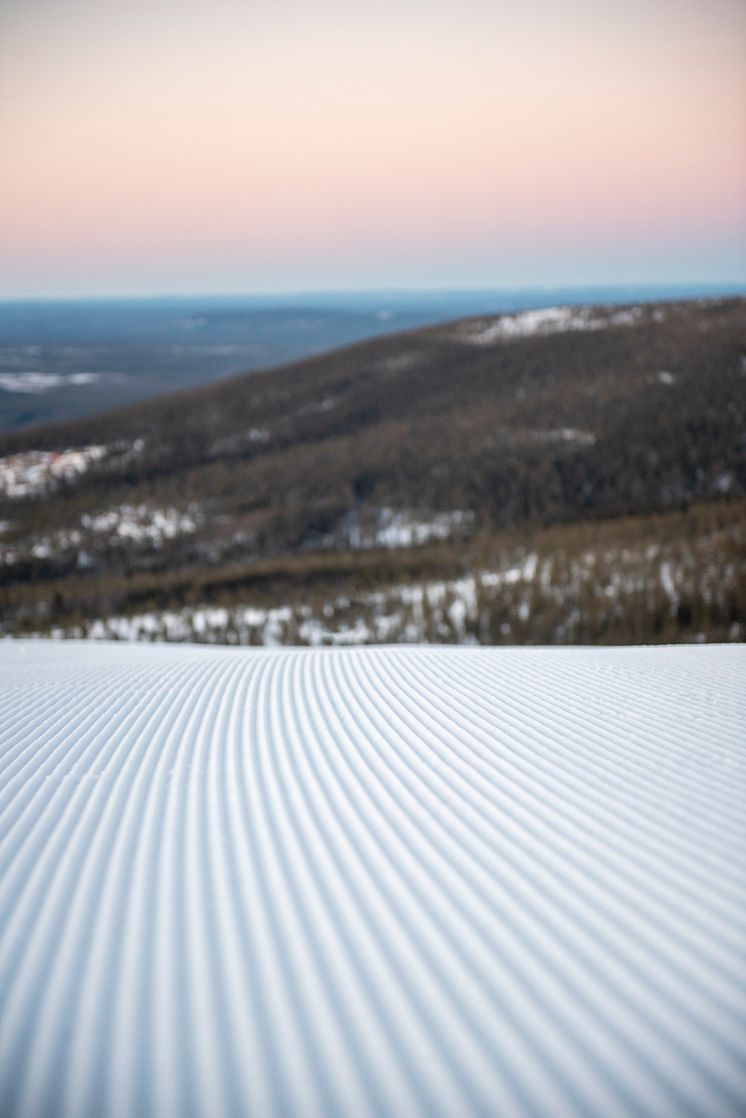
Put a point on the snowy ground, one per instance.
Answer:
(410, 881)
(35, 383)
(38, 471)
(547, 320)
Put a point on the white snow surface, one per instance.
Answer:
(396, 528)
(546, 320)
(140, 523)
(36, 383)
(379, 881)
(36, 471)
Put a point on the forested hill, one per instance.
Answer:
(441, 435)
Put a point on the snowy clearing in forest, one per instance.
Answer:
(378, 881)
(32, 472)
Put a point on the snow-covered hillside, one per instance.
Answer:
(411, 881)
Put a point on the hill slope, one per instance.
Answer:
(447, 436)
(372, 882)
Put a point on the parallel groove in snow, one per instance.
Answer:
(372, 882)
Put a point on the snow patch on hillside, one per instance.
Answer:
(548, 320)
(397, 528)
(33, 472)
(36, 383)
(141, 523)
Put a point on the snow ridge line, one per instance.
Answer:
(382, 881)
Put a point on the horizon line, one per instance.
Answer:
(398, 290)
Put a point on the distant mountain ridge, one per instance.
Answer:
(69, 358)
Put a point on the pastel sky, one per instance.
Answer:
(150, 146)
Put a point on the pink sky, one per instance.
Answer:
(191, 146)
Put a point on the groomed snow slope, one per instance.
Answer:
(438, 882)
